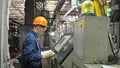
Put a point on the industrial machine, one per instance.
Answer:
(91, 45)
(88, 47)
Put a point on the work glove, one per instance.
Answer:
(47, 54)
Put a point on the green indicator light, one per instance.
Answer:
(109, 9)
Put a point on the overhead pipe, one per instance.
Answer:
(74, 4)
(69, 11)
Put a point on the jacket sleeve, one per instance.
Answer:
(28, 51)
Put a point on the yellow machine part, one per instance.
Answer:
(103, 7)
(97, 8)
(87, 7)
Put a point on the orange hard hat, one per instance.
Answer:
(40, 21)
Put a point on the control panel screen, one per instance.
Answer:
(62, 42)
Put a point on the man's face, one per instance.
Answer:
(41, 30)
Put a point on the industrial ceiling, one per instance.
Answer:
(17, 8)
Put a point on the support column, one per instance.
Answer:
(3, 33)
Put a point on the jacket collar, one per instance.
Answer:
(35, 34)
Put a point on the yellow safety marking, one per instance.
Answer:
(81, 24)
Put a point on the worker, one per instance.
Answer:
(31, 50)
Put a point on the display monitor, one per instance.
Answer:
(62, 42)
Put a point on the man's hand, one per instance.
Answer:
(47, 54)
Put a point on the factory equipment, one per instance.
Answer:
(91, 45)
(63, 52)
(13, 38)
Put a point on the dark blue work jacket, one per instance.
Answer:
(31, 51)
